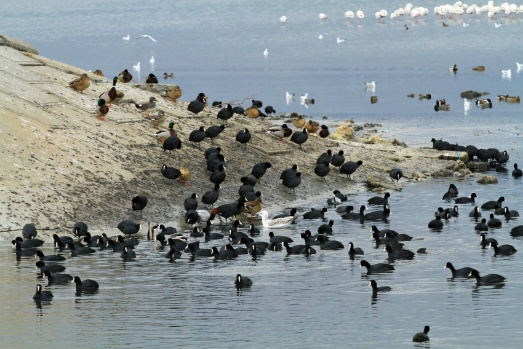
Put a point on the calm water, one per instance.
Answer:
(323, 301)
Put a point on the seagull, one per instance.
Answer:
(136, 67)
(322, 16)
(506, 73)
(266, 53)
(465, 25)
(283, 19)
(148, 37)
(370, 85)
(151, 60)
(276, 222)
(360, 14)
(126, 38)
(321, 36)
(289, 97)
(519, 65)
(466, 105)
(339, 40)
(349, 14)
(496, 25)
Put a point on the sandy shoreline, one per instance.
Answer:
(62, 165)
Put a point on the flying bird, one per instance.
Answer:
(147, 37)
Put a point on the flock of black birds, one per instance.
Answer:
(49, 266)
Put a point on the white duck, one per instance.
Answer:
(277, 222)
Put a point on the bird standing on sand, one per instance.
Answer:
(214, 131)
(172, 143)
(243, 137)
(151, 79)
(197, 105)
(138, 203)
(170, 172)
(350, 167)
(396, 174)
(269, 110)
(292, 181)
(281, 132)
(102, 110)
(145, 107)
(338, 159)
(299, 122)
(111, 95)
(125, 76)
(312, 127)
(197, 136)
(300, 137)
(225, 113)
(324, 131)
(81, 83)
(174, 93)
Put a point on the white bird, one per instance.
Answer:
(349, 14)
(360, 14)
(321, 36)
(339, 40)
(151, 60)
(519, 65)
(465, 25)
(371, 85)
(283, 19)
(289, 97)
(496, 25)
(506, 74)
(126, 38)
(466, 105)
(147, 37)
(136, 67)
(322, 16)
(277, 222)
(266, 53)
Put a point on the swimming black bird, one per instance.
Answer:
(243, 137)
(452, 192)
(378, 200)
(197, 136)
(128, 227)
(225, 113)
(217, 104)
(138, 203)
(466, 200)
(516, 172)
(396, 174)
(213, 132)
(422, 336)
(350, 167)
